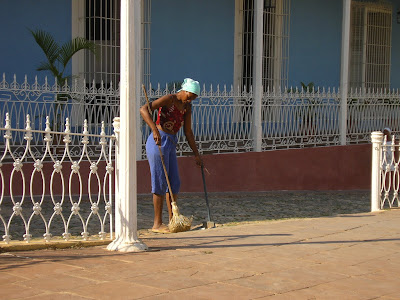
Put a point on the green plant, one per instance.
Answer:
(57, 59)
(58, 56)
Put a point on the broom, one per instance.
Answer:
(178, 222)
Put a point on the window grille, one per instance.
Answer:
(370, 45)
(276, 16)
(102, 26)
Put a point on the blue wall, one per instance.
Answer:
(191, 38)
(315, 42)
(20, 54)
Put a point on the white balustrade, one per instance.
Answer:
(385, 177)
(42, 195)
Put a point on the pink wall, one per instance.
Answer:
(325, 168)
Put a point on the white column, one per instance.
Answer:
(78, 30)
(126, 204)
(376, 138)
(257, 73)
(344, 71)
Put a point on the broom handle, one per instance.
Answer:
(159, 149)
(205, 193)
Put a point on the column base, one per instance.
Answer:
(127, 246)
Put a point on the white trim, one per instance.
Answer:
(277, 65)
(78, 30)
(237, 63)
(257, 73)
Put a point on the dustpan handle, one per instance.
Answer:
(159, 148)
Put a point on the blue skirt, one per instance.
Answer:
(159, 184)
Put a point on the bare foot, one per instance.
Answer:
(161, 229)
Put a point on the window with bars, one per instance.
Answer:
(370, 45)
(102, 26)
(275, 43)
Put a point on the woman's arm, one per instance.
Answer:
(144, 112)
(187, 127)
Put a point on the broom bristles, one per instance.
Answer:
(178, 222)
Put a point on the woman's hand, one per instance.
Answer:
(157, 137)
(199, 161)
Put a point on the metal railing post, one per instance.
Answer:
(376, 138)
(344, 72)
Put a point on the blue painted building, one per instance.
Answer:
(199, 39)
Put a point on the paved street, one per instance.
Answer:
(341, 256)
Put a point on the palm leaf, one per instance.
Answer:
(46, 66)
(72, 47)
(47, 43)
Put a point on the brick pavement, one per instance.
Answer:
(353, 256)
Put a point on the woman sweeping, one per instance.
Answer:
(174, 111)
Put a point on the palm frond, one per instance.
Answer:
(47, 43)
(70, 48)
(47, 66)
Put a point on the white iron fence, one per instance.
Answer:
(41, 195)
(78, 102)
(385, 172)
(223, 118)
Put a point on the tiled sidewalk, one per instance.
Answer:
(342, 257)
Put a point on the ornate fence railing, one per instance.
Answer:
(223, 118)
(78, 102)
(42, 195)
(385, 183)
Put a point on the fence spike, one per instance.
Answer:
(55, 86)
(8, 123)
(47, 136)
(85, 139)
(103, 128)
(85, 127)
(47, 124)
(67, 126)
(28, 128)
(28, 122)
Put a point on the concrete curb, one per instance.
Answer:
(39, 245)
